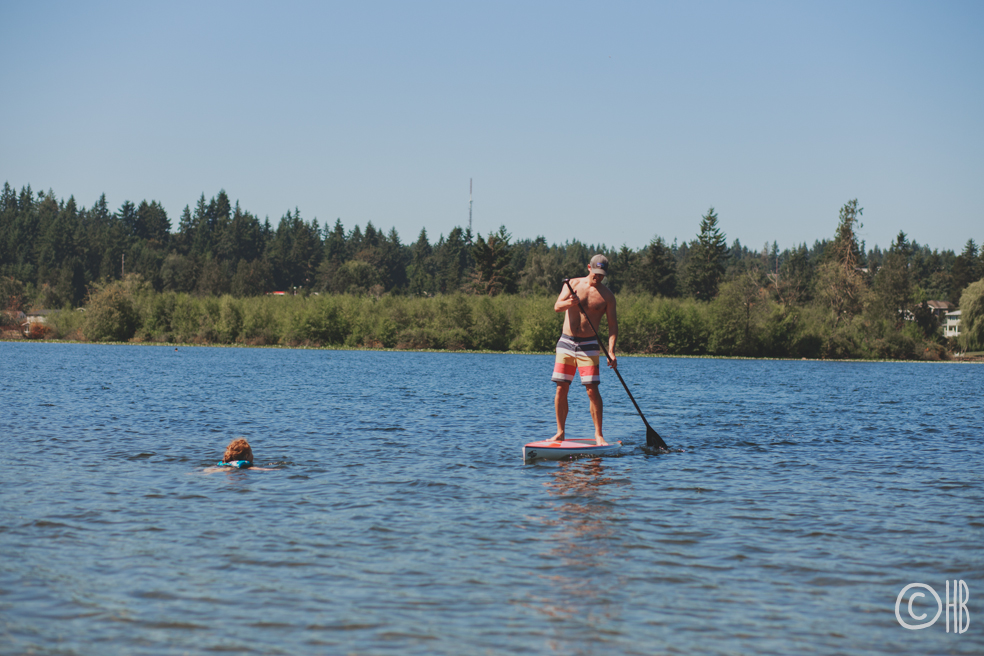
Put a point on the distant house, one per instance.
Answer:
(952, 326)
(36, 321)
(13, 320)
(940, 308)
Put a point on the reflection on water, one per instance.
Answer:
(584, 544)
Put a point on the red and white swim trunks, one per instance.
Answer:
(580, 354)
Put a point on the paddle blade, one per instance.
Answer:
(653, 440)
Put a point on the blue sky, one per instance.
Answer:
(606, 122)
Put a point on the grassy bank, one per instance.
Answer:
(122, 312)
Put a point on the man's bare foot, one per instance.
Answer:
(559, 437)
(600, 441)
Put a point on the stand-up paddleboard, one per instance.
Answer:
(572, 448)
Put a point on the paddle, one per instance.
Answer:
(652, 437)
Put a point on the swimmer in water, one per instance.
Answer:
(238, 455)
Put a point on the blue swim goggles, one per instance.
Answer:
(239, 464)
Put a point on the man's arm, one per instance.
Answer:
(565, 300)
(612, 316)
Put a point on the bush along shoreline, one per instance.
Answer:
(213, 280)
(733, 324)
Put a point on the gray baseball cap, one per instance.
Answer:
(599, 264)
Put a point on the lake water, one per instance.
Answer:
(799, 499)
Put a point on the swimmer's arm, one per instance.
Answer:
(212, 470)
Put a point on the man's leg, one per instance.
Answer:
(560, 406)
(594, 397)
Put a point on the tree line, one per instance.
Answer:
(57, 254)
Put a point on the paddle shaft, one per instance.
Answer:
(652, 437)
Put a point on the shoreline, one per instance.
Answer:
(976, 358)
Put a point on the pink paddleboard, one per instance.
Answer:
(574, 448)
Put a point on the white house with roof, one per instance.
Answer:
(951, 328)
(940, 308)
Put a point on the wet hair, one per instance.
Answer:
(238, 449)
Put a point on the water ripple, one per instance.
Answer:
(397, 517)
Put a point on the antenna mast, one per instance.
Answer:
(469, 205)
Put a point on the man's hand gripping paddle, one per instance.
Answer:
(653, 439)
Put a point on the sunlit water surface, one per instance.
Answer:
(800, 498)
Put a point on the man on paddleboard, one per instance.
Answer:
(578, 347)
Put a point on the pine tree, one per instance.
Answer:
(453, 261)
(844, 249)
(335, 247)
(840, 283)
(421, 270)
(966, 269)
(658, 273)
(493, 273)
(152, 223)
(892, 282)
(186, 232)
(707, 259)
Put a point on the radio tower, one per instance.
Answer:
(469, 205)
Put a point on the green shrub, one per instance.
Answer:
(491, 328)
(230, 324)
(65, 324)
(261, 319)
(369, 323)
(157, 320)
(682, 328)
(323, 322)
(110, 315)
(638, 327)
(972, 317)
(185, 317)
(540, 326)
(209, 320)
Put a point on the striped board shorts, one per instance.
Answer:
(577, 353)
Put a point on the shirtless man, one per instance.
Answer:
(578, 347)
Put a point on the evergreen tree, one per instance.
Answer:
(966, 269)
(127, 216)
(452, 260)
(396, 259)
(658, 271)
(493, 273)
(844, 249)
(241, 238)
(543, 271)
(354, 241)
(840, 284)
(576, 258)
(371, 237)
(892, 282)
(626, 267)
(186, 232)
(295, 252)
(335, 248)
(152, 223)
(707, 259)
(335, 253)
(421, 270)
(793, 282)
(201, 244)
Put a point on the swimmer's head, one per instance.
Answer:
(238, 449)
